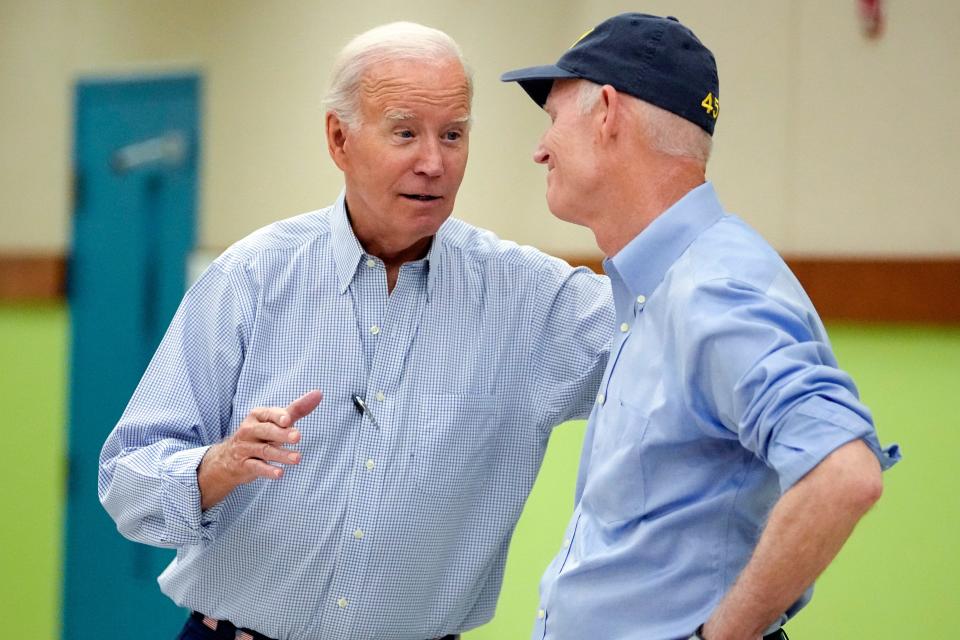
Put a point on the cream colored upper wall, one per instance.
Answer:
(827, 142)
(876, 142)
(34, 142)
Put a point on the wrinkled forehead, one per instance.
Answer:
(410, 84)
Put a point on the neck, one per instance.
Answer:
(389, 249)
(395, 256)
(641, 199)
(393, 253)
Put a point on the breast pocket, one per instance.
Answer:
(455, 438)
(614, 491)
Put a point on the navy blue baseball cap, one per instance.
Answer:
(655, 59)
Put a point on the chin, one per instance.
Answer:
(428, 223)
(559, 209)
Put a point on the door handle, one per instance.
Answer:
(169, 149)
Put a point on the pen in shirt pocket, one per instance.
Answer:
(363, 409)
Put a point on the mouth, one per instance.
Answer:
(420, 197)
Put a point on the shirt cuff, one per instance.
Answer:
(812, 431)
(184, 522)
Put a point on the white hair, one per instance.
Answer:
(394, 41)
(588, 93)
(667, 132)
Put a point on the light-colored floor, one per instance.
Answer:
(898, 577)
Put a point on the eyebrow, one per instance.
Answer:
(399, 116)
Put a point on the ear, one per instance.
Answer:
(337, 140)
(610, 112)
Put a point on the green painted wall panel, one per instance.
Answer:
(33, 357)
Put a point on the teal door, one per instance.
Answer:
(135, 162)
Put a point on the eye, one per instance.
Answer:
(452, 136)
(404, 133)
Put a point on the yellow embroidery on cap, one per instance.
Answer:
(711, 105)
(585, 34)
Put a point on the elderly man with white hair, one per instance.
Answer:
(445, 357)
(728, 456)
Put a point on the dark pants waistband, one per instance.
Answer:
(226, 630)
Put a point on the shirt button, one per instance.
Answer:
(371, 262)
(342, 603)
(541, 614)
(370, 464)
(374, 329)
(624, 327)
(380, 397)
(566, 543)
(600, 398)
(358, 534)
(641, 299)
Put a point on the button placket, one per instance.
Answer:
(567, 546)
(401, 313)
(353, 560)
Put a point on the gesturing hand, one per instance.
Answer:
(245, 455)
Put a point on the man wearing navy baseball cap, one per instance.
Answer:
(727, 457)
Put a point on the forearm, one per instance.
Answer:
(213, 482)
(805, 531)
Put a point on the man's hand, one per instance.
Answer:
(806, 529)
(246, 454)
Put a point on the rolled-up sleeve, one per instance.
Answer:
(760, 368)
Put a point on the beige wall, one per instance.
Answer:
(877, 134)
(34, 146)
(827, 142)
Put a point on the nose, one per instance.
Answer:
(430, 159)
(541, 155)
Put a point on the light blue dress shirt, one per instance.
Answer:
(390, 527)
(721, 392)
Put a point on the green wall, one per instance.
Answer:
(33, 358)
(898, 577)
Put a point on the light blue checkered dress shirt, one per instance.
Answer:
(397, 529)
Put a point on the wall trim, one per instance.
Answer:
(30, 277)
(877, 289)
(870, 289)
(861, 289)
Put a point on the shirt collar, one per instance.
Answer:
(348, 252)
(433, 258)
(645, 260)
